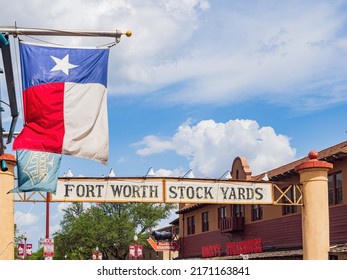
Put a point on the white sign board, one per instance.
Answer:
(218, 192)
(48, 248)
(163, 190)
(93, 190)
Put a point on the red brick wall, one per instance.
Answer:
(338, 224)
(283, 232)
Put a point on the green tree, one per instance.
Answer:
(18, 238)
(37, 255)
(110, 227)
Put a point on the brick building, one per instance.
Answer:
(265, 231)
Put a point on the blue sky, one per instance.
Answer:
(201, 82)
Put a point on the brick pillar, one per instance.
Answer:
(315, 211)
(7, 209)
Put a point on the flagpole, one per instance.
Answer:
(16, 31)
(48, 198)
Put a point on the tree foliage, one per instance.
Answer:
(37, 255)
(18, 238)
(110, 227)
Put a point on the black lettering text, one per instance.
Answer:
(258, 191)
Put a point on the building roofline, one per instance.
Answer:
(330, 154)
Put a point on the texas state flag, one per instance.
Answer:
(65, 101)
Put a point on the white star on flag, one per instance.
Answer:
(62, 64)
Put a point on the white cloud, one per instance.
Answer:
(60, 209)
(65, 205)
(211, 147)
(54, 228)
(169, 173)
(25, 219)
(166, 222)
(152, 145)
(203, 51)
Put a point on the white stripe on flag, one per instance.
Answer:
(86, 122)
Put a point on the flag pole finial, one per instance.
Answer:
(128, 33)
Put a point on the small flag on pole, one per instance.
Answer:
(65, 101)
(37, 171)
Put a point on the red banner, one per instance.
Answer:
(96, 256)
(135, 251)
(21, 250)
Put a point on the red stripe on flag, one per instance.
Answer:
(44, 116)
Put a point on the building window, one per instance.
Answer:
(238, 210)
(289, 196)
(191, 225)
(257, 212)
(222, 213)
(335, 188)
(204, 218)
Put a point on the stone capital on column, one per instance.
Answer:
(8, 157)
(313, 162)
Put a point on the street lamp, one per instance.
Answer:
(135, 250)
(25, 236)
(135, 239)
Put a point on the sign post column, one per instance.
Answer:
(315, 211)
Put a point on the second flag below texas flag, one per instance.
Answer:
(65, 101)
